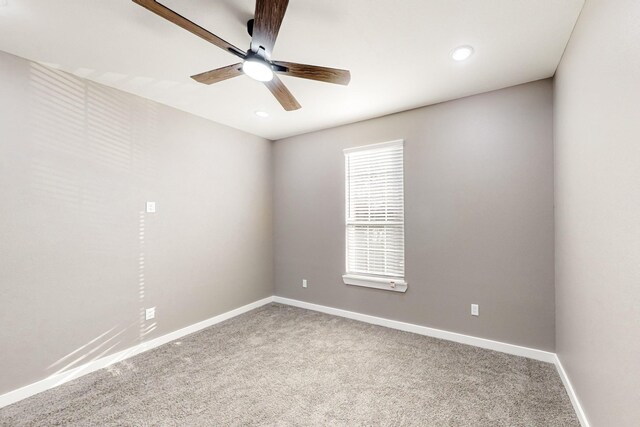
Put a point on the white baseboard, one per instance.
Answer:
(516, 350)
(582, 417)
(63, 377)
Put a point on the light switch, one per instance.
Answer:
(475, 310)
(151, 207)
(149, 313)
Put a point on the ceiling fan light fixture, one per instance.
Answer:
(257, 69)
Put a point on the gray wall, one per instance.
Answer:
(79, 259)
(479, 216)
(597, 139)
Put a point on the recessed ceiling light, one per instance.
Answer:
(257, 69)
(262, 114)
(461, 53)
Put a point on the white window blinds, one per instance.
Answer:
(375, 210)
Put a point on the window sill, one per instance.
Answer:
(387, 284)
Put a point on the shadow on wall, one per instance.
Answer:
(90, 166)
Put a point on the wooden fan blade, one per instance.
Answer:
(314, 72)
(282, 94)
(192, 27)
(267, 20)
(219, 74)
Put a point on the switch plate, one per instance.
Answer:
(151, 207)
(475, 310)
(150, 313)
(304, 283)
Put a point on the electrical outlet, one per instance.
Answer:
(304, 283)
(151, 207)
(475, 310)
(150, 313)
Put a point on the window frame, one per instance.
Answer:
(388, 283)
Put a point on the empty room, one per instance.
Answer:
(320, 213)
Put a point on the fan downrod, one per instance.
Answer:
(250, 27)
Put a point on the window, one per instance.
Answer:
(375, 216)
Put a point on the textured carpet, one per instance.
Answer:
(283, 366)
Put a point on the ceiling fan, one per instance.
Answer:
(256, 62)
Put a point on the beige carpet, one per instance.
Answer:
(286, 366)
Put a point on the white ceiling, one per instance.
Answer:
(397, 51)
